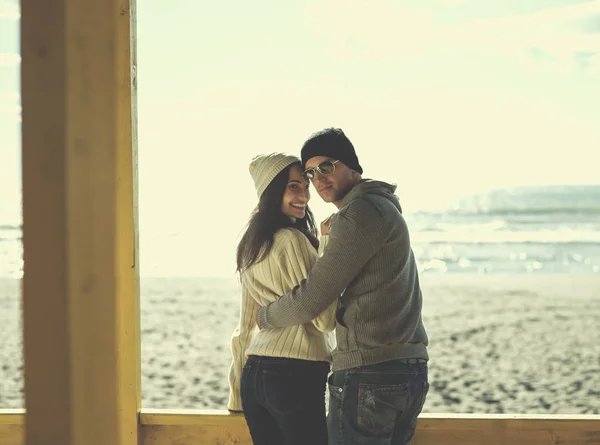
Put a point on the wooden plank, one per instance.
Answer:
(12, 417)
(11, 434)
(161, 427)
(203, 427)
(507, 429)
(12, 427)
(127, 233)
(189, 427)
(81, 340)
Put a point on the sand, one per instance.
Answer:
(498, 344)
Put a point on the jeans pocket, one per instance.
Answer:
(379, 406)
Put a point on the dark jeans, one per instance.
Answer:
(377, 404)
(284, 400)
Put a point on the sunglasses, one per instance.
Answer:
(325, 168)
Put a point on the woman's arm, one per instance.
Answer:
(240, 341)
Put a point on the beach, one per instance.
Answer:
(498, 343)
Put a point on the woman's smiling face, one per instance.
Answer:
(296, 195)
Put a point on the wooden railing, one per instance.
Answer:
(189, 427)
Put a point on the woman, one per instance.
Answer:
(281, 388)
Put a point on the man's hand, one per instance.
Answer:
(326, 224)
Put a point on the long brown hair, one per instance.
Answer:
(257, 241)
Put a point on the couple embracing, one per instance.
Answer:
(358, 278)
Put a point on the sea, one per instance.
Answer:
(519, 230)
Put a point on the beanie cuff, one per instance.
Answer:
(264, 168)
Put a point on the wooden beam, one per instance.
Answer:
(507, 429)
(80, 289)
(204, 427)
(12, 427)
(162, 427)
(127, 233)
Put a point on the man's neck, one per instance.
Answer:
(339, 203)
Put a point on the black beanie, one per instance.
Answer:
(332, 143)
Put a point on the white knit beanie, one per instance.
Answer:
(264, 168)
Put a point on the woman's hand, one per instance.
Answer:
(325, 225)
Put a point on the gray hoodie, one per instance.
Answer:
(369, 265)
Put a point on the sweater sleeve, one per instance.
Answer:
(359, 232)
(296, 260)
(240, 340)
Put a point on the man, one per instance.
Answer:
(379, 381)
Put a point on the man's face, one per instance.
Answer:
(334, 186)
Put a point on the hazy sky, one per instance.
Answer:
(440, 97)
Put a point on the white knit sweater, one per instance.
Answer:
(286, 265)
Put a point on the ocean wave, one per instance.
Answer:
(9, 227)
(549, 201)
(495, 237)
(507, 211)
(546, 211)
(435, 226)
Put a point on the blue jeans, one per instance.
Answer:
(284, 400)
(377, 404)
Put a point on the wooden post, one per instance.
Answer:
(80, 292)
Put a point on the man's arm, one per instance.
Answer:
(359, 232)
(297, 257)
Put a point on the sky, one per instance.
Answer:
(441, 97)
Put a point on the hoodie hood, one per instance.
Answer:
(372, 187)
